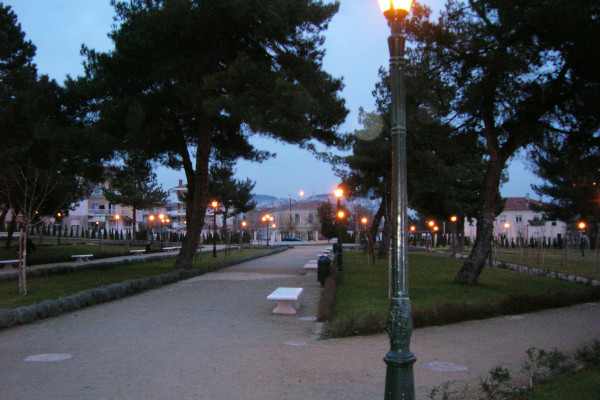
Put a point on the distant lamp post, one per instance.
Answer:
(454, 220)
(214, 204)
(117, 218)
(399, 381)
(58, 224)
(267, 219)
(244, 224)
(581, 226)
(161, 217)
(339, 192)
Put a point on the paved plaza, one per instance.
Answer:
(215, 337)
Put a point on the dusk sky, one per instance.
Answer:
(356, 47)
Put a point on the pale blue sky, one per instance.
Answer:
(356, 47)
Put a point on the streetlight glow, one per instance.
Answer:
(454, 218)
(389, 5)
(338, 192)
(364, 220)
(340, 214)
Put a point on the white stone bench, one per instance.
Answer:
(285, 298)
(82, 257)
(10, 263)
(310, 266)
(171, 248)
(137, 252)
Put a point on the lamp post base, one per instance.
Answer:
(399, 377)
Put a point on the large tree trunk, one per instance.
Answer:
(197, 197)
(473, 265)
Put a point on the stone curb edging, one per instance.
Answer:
(103, 294)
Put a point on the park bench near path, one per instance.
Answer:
(285, 298)
(82, 257)
(175, 248)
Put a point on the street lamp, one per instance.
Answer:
(117, 218)
(214, 204)
(339, 192)
(161, 217)
(267, 218)
(581, 226)
(453, 219)
(399, 381)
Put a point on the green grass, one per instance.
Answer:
(583, 385)
(49, 253)
(362, 293)
(571, 261)
(56, 286)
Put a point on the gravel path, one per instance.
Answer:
(215, 337)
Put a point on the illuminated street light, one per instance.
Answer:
(399, 380)
(266, 219)
(339, 192)
(214, 204)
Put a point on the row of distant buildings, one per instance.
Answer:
(290, 217)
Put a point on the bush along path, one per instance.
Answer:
(52, 308)
(542, 368)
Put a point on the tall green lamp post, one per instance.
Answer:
(399, 381)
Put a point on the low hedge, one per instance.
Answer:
(52, 308)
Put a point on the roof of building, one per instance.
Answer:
(519, 204)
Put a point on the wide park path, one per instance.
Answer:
(215, 337)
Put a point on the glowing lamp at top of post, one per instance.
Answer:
(413, 228)
(453, 218)
(364, 220)
(431, 224)
(338, 192)
(581, 225)
(341, 214)
(244, 224)
(391, 6)
(151, 217)
(506, 225)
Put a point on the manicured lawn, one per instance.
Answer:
(55, 286)
(583, 385)
(570, 261)
(362, 294)
(49, 253)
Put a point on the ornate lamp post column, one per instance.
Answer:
(399, 381)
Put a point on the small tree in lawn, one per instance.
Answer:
(234, 196)
(135, 185)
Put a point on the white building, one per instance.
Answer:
(519, 222)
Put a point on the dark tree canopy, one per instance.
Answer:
(519, 73)
(199, 77)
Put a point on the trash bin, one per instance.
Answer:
(323, 269)
(148, 248)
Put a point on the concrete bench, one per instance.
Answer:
(82, 257)
(137, 252)
(311, 266)
(10, 263)
(171, 248)
(285, 298)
